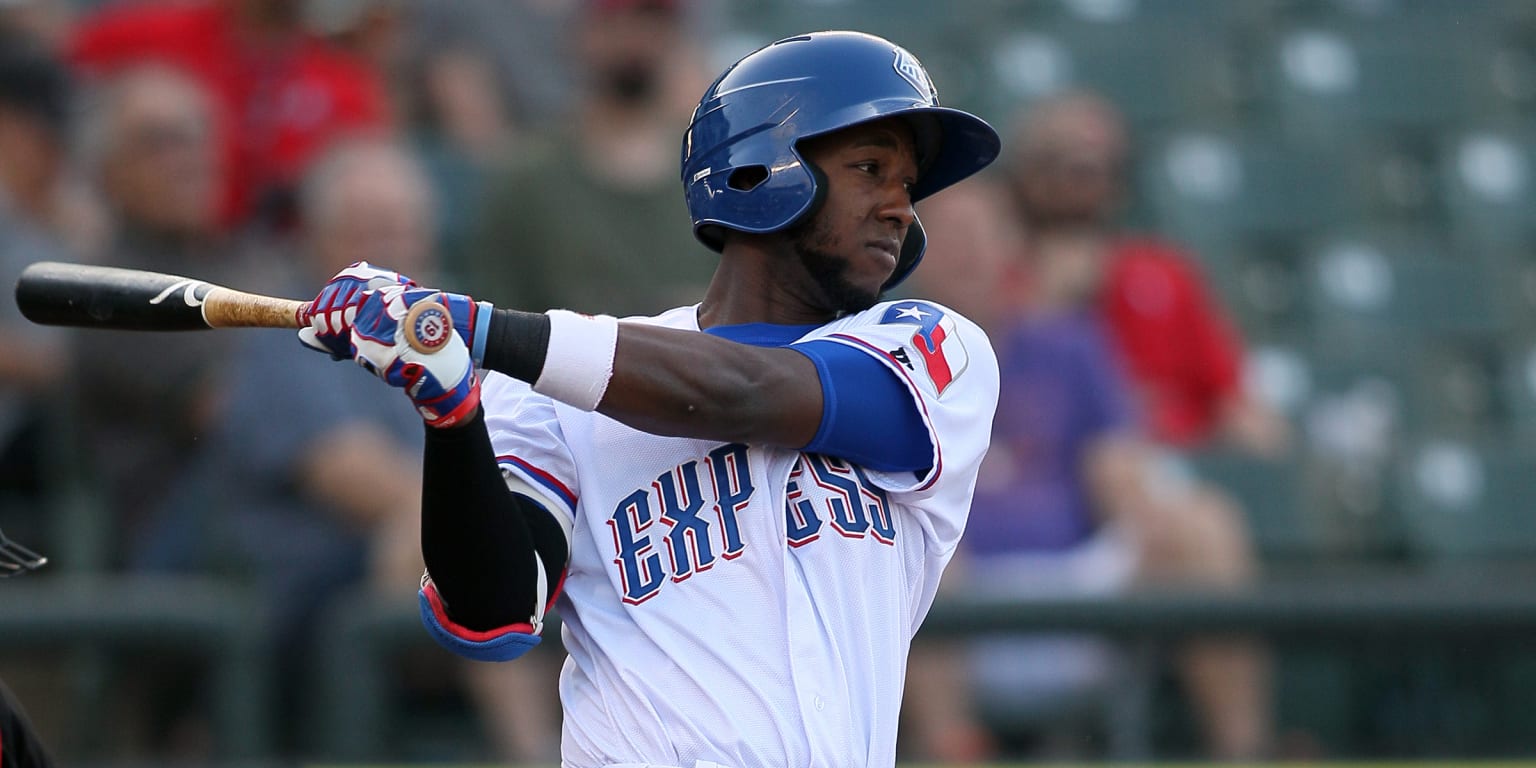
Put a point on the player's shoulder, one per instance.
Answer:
(898, 314)
(932, 345)
(684, 318)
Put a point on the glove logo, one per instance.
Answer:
(432, 326)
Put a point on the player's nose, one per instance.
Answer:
(897, 208)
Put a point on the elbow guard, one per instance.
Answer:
(500, 644)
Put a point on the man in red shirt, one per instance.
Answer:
(1182, 353)
(282, 94)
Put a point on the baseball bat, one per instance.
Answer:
(90, 296)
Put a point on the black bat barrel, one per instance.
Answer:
(89, 296)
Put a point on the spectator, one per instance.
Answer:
(1071, 501)
(43, 22)
(373, 31)
(281, 94)
(525, 43)
(1184, 359)
(972, 230)
(596, 221)
(464, 130)
(143, 404)
(300, 488)
(317, 494)
(34, 106)
(1180, 349)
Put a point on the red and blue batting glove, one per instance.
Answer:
(330, 313)
(441, 384)
(333, 312)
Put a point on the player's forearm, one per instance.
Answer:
(482, 543)
(670, 382)
(688, 384)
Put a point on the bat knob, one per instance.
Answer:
(428, 326)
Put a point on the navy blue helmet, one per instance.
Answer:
(741, 166)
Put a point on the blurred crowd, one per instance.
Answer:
(526, 153)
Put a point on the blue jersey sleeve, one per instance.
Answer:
(868, 416)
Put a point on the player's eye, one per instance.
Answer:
(868, 166)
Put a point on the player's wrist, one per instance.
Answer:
(565, 355)
(579, 362)
(516, 344)
(471, 319)
(453, 408)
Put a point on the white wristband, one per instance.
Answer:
(579, 361)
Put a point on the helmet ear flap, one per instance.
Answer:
(818, 188)
(912, 248)
(743, 179)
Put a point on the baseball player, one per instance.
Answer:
(20, 746)
(741, 507)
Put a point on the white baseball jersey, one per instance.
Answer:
(742, 604)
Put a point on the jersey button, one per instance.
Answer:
(819, 703)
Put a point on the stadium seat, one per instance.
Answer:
(1468, 502)
(1481, 19)
(1401, 76)
(1159, 74)
(1349, 426)
(1518, 386)
(1488, 178)
(1269, 493)
(1378, 284)
(1516, 288)
(1212, 188)
(1261, 283)
(1457, 387)
(1393, 87)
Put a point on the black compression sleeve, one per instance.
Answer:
(478, 537)
(516, 344)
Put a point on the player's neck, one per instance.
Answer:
(747, 289)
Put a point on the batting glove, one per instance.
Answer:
(441, 384)
(330, 314)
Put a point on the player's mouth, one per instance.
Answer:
(888, 248)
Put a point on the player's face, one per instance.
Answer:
(850, 246)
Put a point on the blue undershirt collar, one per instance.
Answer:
(761, 334)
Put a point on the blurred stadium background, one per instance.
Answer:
(1359, 180)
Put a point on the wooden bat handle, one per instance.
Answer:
(229, 308)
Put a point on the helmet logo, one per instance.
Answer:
(912, 71)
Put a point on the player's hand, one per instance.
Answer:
(330, 313)
(442, 384)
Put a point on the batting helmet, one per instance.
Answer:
(741, 166)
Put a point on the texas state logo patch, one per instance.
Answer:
(940, 353)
